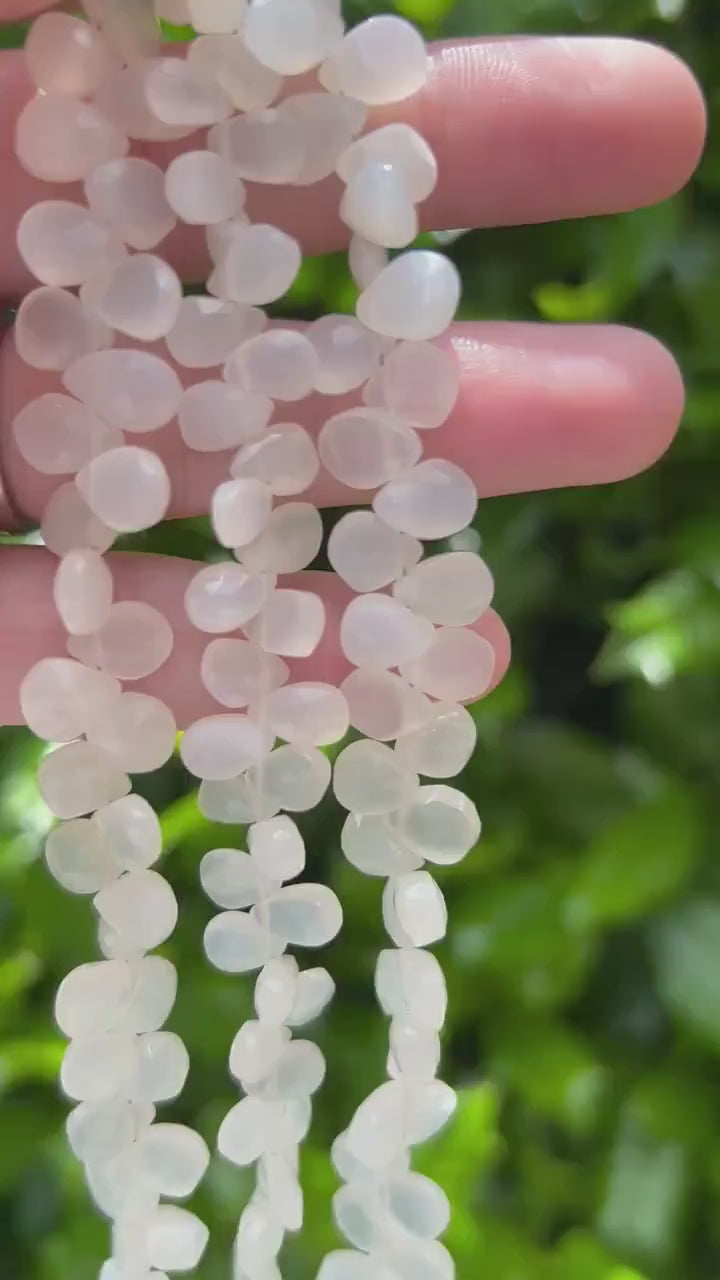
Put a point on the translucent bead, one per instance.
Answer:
(419, 1205)
(176, 12)
(140, 907)
(68, 524)
(398, 145)
(278, 1183)
(89, 998)
(220, 237)
(368, 554)
(259, 1240)
(255, 1050)
(376, 205)
(231, 879)
(203, 188)
(453, 589)
(415, 297)
(374, 847)
(291, 624)
(128, 25)
(65, 55)
(60, 139)
(420, 383)
(123, 97)
(411, 986)
(240, 511)
(162, 1066)
(305, 915)
(442, 746)
(77, 779)
(280, 363)
(214, 416)
(428, 1260)
(433, 500)
(222, 597)
(217, 16)
(352, 1169)
(176, 1239)
(347, 352)
(458, 666)
(379, 632)
(151, 997)
(135, 641)
(78, 858)
(297, 1074)
(127, 488)
(221, 747)
(429, 1106)
(64, 244)
(247, 1131)
(382, 705)
(140, 297)
(52, 329)
(292, 36)
(98, 1066)
(277, 848)
(61, 699)
(414, 1052)
(237, 943)
(315, 989)
(58, 436)
(365, 447)
(346, 1264)
(237, 673)
(140, 734)
(275, 991)
(376, 1135)
(101, 1132)
(360, 1216)
(369, 778)
(380, 61)
(133, 390)
(83, 591)
(235, 800)
(366, 261)
(262, 146)
(130, 832)
(177, 96)
(207, 331)
(442, 824)
(289, 542)
(293, 778)
(227, 62)
(260, 265)
(284, 457)
(414, 910)
(312, 714)
(173, 1159)
(329, 123)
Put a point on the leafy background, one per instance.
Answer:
(584, 956)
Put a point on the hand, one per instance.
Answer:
(526, 130)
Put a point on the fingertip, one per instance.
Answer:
(656, 403)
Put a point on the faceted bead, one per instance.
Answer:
(277, 848)
(429, 1106)
(173, 1159)
(89, 998)
(133, 390)
(248, 1131)
(442, 746)
(130, 832)
(64, 244)
(378, 632)
(135, 641)
(260, 265)
(419, 1205)
(83, 591)
(415, 297)
(284, 457)
(371, 844)
(369, 778)
(280, 363)
(255, 1050)
(231, 879)
(360, 1216)
(235, 800)
(329, 123)
(236, 673)
(432, 500)
(376, 1134)
(78, 858)
(348, 353)
(139, 297)
(216, 16)
(237, 943)
(60, 139)
(58, 436)
(410, 985)
(453, 589)
(221, 747)
(129, 194)
(382, 705)
(312, 714)
(305, 915)
(61, 699)
(293, 778)
(368, 554)
(227, 62)
(441, 824)
(68, 524)
(289, 542)
(291, 624)
(398, 145)
(315, 989)
(214, 416)
(98, 1066)
(127, 488)
(352, 1169)
(177, 96)
(366, 261)
(152, 994)
(162, 1066)
(292, 36)
(377, 206)
(207, 331)
(414, 910)
(176, 1239)
(77, 779)
(365, 447)
(275, 991)
(262, 146)
(203, 188)
(222, 597)
(240, 511)
(458, 666)
(140, 907)
(420, 383)
(139, 736)
(65, 55)
(52, 329)
(380, 61)
(414, 1052)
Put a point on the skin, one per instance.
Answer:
(525, 130)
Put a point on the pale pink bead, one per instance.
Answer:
(78, 778)
(60, 139)
(291, 624)
(312, 714)
(453, 589)
(58, 436)
(207, 331)
(377, 206)
(128, 25)
(289, 542)
(330, 122)
(176, 12)
(221, 747)
(383, 705)
(127, 488)
(83, 591)
(215, 416)
(139, 736)
(139, 297)
(68, 524)
(292, 36)
(65, 55)
(366, 261)
(293, 778)
(366, 447)
(280, 363)
(217, 16)
(398, 145)
(348, 353)
(53, 328)
(178, 97)
(284, 457)
(240, 511)
(420, 383)
(236, 673)
(226, 61)
(379, 632)
(457, 667)
(63, 244)
(222, 597)
(259, 266)
(382, 60)
(136, 641)
(60, 699)
(220, 237)
(433, 500)
(263, 146)
(203, 188)
(414, 297)
(368, 554)
(129, 194)
(133, 390)
(123, 97)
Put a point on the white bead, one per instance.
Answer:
(259, 1240)
(78, 859)
(347, 352)
(63, 244)
(61, 139)
(176, 1239)
(127, 488)
(376, 205)
(379, 632)
(240, 511)
(329, 123)
(208, 330)
(414, 1052)
(398, 145)
(222, 597)
(227, 62)
(428, 1260)
(361, 1217)
(132, 390)
(52, 329)
(162, 1066)
(177, 96)
(365, 447)
(89, 998)
(420, 383)
(410, 985)
(346, 1264)
(140, 297)
(61, 699)
(415, 297)
(68, 524)
(203, 188)
(236, 673)
(453, 589)
(291, 624)
(262, 146)
(293, 778)
(442, 746)
(275, 991)
(284, 457)
(231, 879)
(214, 416)
(280, 363)
(277, 848)
(130, 832)
(237, 943)
(366, 261)
(135, 641)
(58, 436)
(376, 1136)
(382, 705)
(414, 910)
(83, 590)
(441, 824)
(101, 1132)
(235, 800)
(152, 995)
(419, 1205)
(256, 1048)
(315, 989)
(289, 542)
(259, 267)
(369, 778)
(305, 915)
(77, 779)
(291, 36)
(432, 500)
(279, 1185)
(172, 1158)
(140, 907)
(368, 554)
(351, 1169)
(65, 55)
(123, 97)
(458, 666)
(297, 1074)
(98, 1066)
(380, 61)
(139, 736)
(217, 16)
(429, 1106)
(371, 844)
(312, 714)
(129, 195)
(221, 747)
(247, 1131)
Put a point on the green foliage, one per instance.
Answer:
(584, 956)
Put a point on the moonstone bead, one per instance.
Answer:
(219, 238)
(433, 500)
(453, 589)
(231, 879)
(237, 943)
(140, 907)
(58, 436)
(382, 705)
(127, 488)
(203, 188)
(458, 666)
(368, 554)
(297, 1074)
(414, 910)
(291, 624)
(414, 1052)
(140, 734)
(346, 1264)
(380, 61)
(214, 416)
(135, 641)
(259, 266)
(61, 699)
(442, 824)
(293, 777)
(208, 330)
(419, 1205)
(305, 915)
(279, 1185)
(379, 632)
(329, 123)
(162, 1066)
(128, 25)
(262, 146)
(53, 328)
(275, 991)
(371, 844)
(151, 997)
(414, 297)
(289, 542)
(360, 1216)
(240, 511)
(103, 1131)
(68, 524)
(376, 205)
(410, 985)
(65, 55)
(284, 457)
(369, 778)
(443, 744)
(235, 800)
(237, 673)
(277, 848)
(227, 62)
(222, 597)
(133, 390)
(352, 1169)
(130, 832)
(123, 97)
(63, 244)
(78, 778)
(177, 96)
(176, 12)
(221, 747)
(400, 146)
(216, 16)
(281, 363)
(255, 1049)
(259, 1239)
(176, 1239)
(78, 858)
(97, 1067)
(248, 1130)
(347, 352)
(420, 383)
(89, 998)
(172, 1158)
(139, 297)
(366, 261)
(315, 989)
(60, 139)
(365, 447)
(376, 1135)
(292, 36)
(308, 713)
(83, 591)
